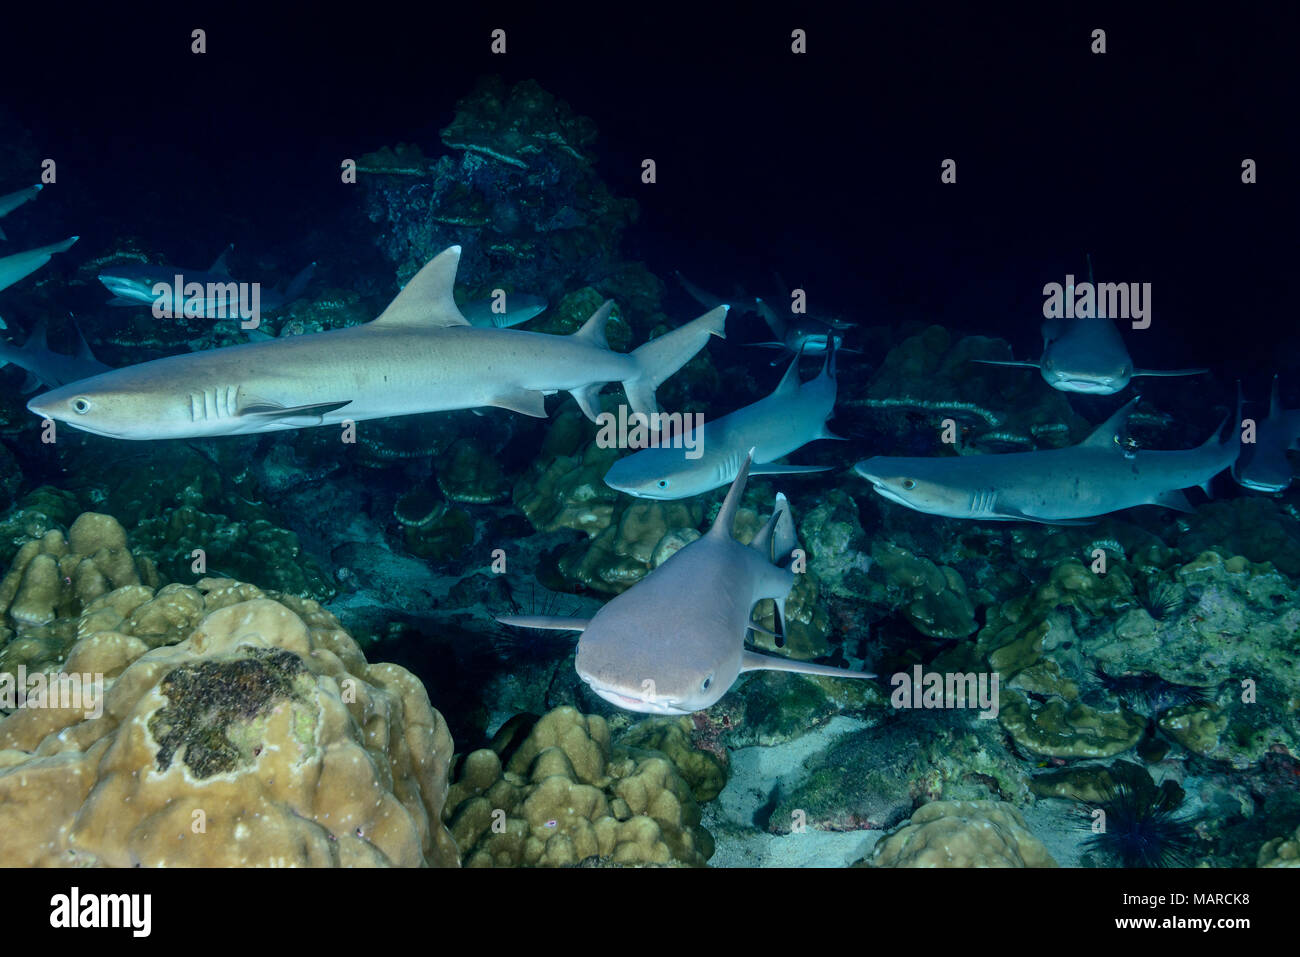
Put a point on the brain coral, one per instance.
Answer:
(262, 738)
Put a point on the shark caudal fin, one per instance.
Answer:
(660, 358)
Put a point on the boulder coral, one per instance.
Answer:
(568, 795)
(262, 738)
(963, 834)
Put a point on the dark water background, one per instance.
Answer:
(825, 166)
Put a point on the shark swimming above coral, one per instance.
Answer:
(1263, 465)
(674, 642)
(419, 355)
(21, 265)
(1056, 486)
(48, 368)
(1085, 352)
(774, 426)
(11, 201)
(200, 293)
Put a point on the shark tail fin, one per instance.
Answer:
(774, 322)
(659, 358)
(1228, 435)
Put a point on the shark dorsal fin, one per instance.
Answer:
(790, 382)
(219, 264)
(426, 301)
(1104, 435)
(37, 340)
(593, 330)
(726, 520)
(83, 347)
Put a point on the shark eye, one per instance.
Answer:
(81, 405)
(663, 483)
(704, 685)
(909, 484)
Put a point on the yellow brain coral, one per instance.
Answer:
(262, 738)
(963, 834)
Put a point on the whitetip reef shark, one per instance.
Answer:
(797, 334)
(133, 284)
(1262, 465)
(1086, 353)
(419, 355)
(774, 426)
(21, 265)
(1055, 486)
(48, 368)
(519, 308)
(674, 642)
(11, 201)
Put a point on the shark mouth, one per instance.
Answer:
(1088, 386)
(631, 703)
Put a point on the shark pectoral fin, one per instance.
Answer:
(548, 622)
(1175, 499)
(773, 469)
(826, 433)
(1008, 362)
(766, 345)
(1012, 514)
(1167, 373)
(523, 401)
(753, 661)
(270, 410)
(588, 399)
(31, 383)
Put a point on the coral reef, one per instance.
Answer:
(262, 738)
(568, 795)
(963, 834)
